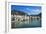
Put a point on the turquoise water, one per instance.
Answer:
(27, 24)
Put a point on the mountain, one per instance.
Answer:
(35, 15)
(18, 12)
(39, 15)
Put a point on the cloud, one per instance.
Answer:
(34, 12)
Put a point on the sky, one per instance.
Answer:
(30, 10)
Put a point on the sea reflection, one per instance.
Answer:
(33, 22)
